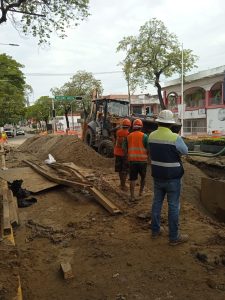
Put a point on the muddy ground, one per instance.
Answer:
(112, 257)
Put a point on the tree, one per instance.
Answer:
(12, 87)
(82, 84)
(41, 18)
(40, 110)
(155, 51)
(28, 92)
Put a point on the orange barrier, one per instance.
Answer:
(43, 133)
(60, 132)
(72, 132)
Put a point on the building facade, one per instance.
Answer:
(203, 101)
(144, 104)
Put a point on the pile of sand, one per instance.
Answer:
(65, 149)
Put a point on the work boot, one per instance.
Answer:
(183, 238)
(155, 235)
(124, 188)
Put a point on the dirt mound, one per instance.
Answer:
(65, 149)
(9, 271)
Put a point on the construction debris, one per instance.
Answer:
(80, 181)
(67, 270)
(48, 232)
(212, 197)
(9, 213)
(108, 245)
(28, 176)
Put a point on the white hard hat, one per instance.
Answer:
(165, 116)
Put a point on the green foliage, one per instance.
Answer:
(81, 84)
(40, 110)
(42, 18)
(214, 141)
(155, 51)
(28, 92)
(12, 87)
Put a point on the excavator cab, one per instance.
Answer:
(105, 116)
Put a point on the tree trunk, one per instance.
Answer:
(159, 90)
(129, 98)
(67, 120)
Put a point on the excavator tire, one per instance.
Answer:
(105, 148)
(88, 139)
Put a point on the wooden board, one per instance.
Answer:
(1, 217)
(98, 195)
(32, 181)
(7, 229)
(213, 196)
(13, 209)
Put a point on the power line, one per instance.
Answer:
(69, 74)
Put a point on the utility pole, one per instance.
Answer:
(53, 116)
(182, 90)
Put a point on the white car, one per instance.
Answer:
(20, 131)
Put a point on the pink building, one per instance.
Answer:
(204, 101)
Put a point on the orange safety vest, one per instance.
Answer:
(4, 136)
(121, 134)
(136, 149)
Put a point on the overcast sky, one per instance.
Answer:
(199, 25)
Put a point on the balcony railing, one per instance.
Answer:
(215, 101)
(194, 130)
(195, 103)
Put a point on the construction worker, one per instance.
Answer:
(4, 137)
(137, 153)
(121, 164)
(166, 148)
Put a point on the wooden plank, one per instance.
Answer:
(1, 217)
(6, 219)
(66, 270)
(56, 179)
(6, 216)
(32, 181)
(3, 166)
(98, 195)
(104, 201)
(12, 209)
(67, 168)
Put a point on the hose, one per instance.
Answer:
(204, 154)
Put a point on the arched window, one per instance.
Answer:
(215, 97)
(194, 97)
(172, 100)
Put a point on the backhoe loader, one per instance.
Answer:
(105, 118)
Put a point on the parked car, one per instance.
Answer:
(20, 131)
(10, 132)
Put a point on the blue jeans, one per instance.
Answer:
(171, 188)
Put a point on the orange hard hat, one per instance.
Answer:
(126, 123)
(137, 124)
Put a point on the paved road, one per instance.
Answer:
(18, 140)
